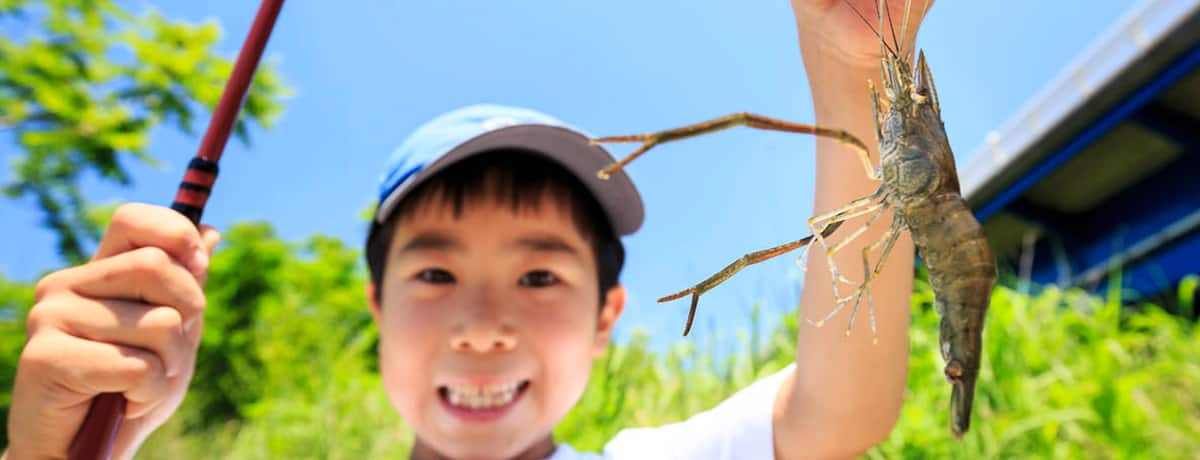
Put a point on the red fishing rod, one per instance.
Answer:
(99, 430)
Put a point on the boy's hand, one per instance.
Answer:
(127, 322)
(834, 27)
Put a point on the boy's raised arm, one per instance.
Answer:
(846, 392)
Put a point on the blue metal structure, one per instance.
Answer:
(1113, 181)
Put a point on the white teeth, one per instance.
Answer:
(481, 397)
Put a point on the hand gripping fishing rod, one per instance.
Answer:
(98, 433)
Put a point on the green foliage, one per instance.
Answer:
(85, 87)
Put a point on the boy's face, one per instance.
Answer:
(488, 324)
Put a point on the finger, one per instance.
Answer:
(147, 275)
(158, 329)
(84, 368)
(139, 225)
(58, 376)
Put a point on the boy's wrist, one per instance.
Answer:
(839, 89)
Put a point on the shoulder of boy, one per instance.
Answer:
(740, 427)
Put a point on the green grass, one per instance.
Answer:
(1064, 375)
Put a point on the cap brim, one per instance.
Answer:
(570, 149)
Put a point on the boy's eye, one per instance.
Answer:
(435, 276)
(538, 278)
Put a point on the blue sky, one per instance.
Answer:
(367, 75)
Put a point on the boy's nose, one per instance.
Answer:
(483, 337)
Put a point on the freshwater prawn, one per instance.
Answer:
(919, 182)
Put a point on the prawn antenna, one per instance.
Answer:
(872, 28)
(891, 25)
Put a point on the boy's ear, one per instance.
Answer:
(373, 301)
(614, 304)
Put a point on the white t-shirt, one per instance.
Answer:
(738, 428)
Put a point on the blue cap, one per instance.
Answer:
(469, 131)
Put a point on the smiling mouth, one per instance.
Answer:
(482, 397)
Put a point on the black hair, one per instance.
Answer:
(516, 178)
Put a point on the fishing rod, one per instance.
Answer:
(95, 438)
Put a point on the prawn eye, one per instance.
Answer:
(920, 95)
(953, 371)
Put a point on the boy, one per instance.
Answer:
(494, 257)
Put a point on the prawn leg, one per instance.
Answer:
(888, 240)
(878, 208)
(850, 210)
(751, 120)
(734, 267)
